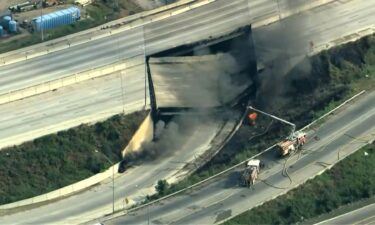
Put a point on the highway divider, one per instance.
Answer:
(284, 14)
(121, 213)
(130, 22)
(145, 130)
(343, 40)
(97, 72)
(65, 191)
(69, 80)
(326, 166)
(53, 128)
(98, 32)
(333, 110)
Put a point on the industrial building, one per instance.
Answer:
(56, 19)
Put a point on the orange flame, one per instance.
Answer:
(252, 117)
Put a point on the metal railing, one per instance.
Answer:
(121, 213)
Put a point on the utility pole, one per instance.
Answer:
(148, 216)
(122, 93)
(248, 9)
(287, 55)
(113, 186)
(145, 62)
(41, 19)
(122, 82)
(113, 181)
(278, 9)
(148, 212)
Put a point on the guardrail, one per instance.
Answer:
(119, 26)
(333, 110)
(53, 128)
(65, 191)
(98, 32)
(86, 183)
(287, 13)
(121, 213)
(71, 79)
(343, 40)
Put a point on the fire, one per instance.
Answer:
(252, 117)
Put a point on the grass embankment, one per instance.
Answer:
(100, 12)
(335, 75)
(351, 180)
(57, 160)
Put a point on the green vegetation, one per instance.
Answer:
(100, 12)
(352, 179)
(57, 160)
(341, 210)
(161, 187)
(336, 75)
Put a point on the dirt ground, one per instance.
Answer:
(146, 4)
(150, 4)
(4, 4)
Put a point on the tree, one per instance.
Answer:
(161, 187)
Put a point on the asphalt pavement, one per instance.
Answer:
(100, 98)
(195, 137)
(24, 117)
(117, 47)
(87, 102)
(364, 215)
(225, 197)
(210, 20)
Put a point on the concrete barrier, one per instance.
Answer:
(84, 36)
(343, 40)
(287, 13)
(131, 22)
(69, 80)
(121, 213)
(65, 191)
(144, 133)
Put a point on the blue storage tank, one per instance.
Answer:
(55, 19)
(1, 31)
(5, 22)
(13, 26)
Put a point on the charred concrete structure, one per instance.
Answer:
(199, 84)
(208, 75)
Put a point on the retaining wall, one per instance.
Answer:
(144, 133)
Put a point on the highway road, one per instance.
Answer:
(223, 197)
(321, 26)
(105, 94)
(87, 102)
(210, 20)
(197, 134)
(68, 107)
(364, 215)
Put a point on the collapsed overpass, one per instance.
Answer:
(208, 75)
(196, 81)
